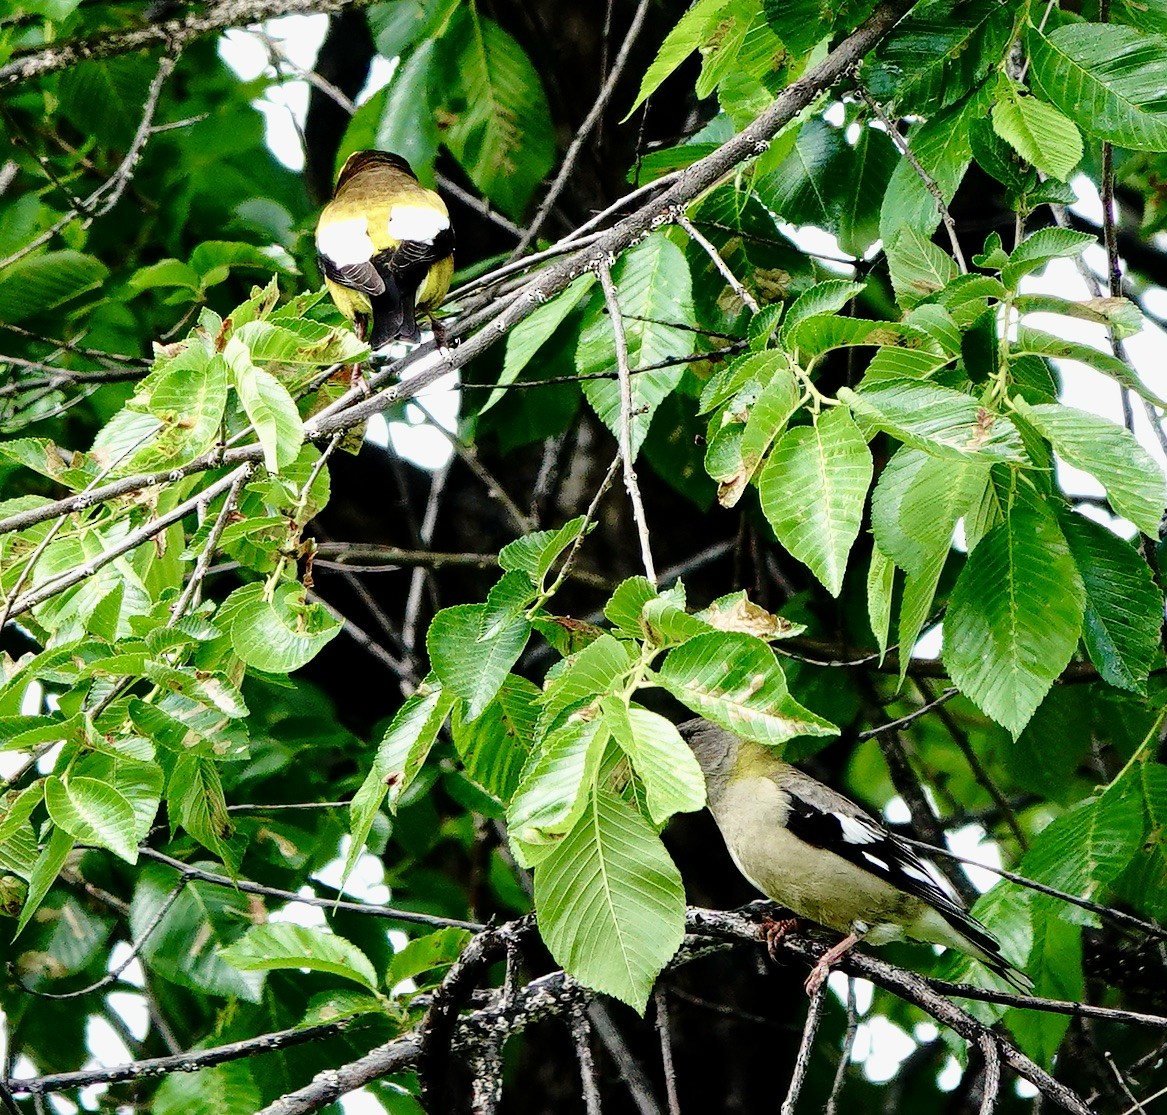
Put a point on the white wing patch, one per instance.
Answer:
(345, 242)
(416, 222)
(856, 831)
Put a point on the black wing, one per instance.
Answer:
(362, 276)
(870, 846)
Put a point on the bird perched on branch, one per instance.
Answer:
(820, 855)
(385, 246)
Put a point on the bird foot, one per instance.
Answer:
(775, 931)
(822, 969)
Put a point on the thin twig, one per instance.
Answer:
(51, 533)
(814, 1014)
(625, 438)
(581, 1033)
(961, 738)
(129, 542)
(190, 593)
(589, 518)
(114, 973)
(1119, 917)
(178, 1062)
(915, 714)
(845, 1052)
(199, 875)
(631, 1072)
(991, 1086)
(1137, 1106)
(747, 299)
(109, 193)
(660, 1002)
(585, 129)
(929, 182)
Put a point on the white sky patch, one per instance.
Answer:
(881, 1047)
(381, 72)
(367, 881)
(819, 243)
(970, 841)
(864, 991)
(300, 913)
(285, 103)
(133, 970)
(949, 1076)
(133, 1011)
(897, 812)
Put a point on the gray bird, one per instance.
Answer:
(824, 858)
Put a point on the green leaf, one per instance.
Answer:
(591, 672)
(1119, 314)
(773, 408)
(228, 1089)
(610, 901)
(880, 586)
(1037, 131)
(830, 183)
(1123, 604)
(1134, 482)
(813, 489)
(552, 792)
(94, 813)
(37, 284)
(799, 23)
(692, 30)
(1037, 249)
(270, 408)
(472, 653)
(1034, 341)
(184, 945)
(534, 330)
(940, 421)
(918, 267)
(626, 605)
(1088, 846)
(917, 502)
(1109, 80)
(941, 146)
(265, 948)
(104, 97)
(281, 634)
(535, 554)
(495, 746)
(44, 873)
(500, 129)
(1015, 616)
(654, 292)
(195, 800)
(939, 50)
(400, 755)
(734, 680)
(423, 954)
(672, 778)
(823, 298)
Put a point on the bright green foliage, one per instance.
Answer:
(868, 467)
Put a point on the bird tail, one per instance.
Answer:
(978, 942)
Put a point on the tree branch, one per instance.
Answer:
(172, 34)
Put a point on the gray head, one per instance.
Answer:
(714, 747)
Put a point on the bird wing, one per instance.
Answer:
(848, 832)
(362, 276)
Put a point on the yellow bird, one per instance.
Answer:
(385, 246)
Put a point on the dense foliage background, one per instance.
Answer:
(809, 379)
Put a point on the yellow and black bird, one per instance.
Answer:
(385, 246)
